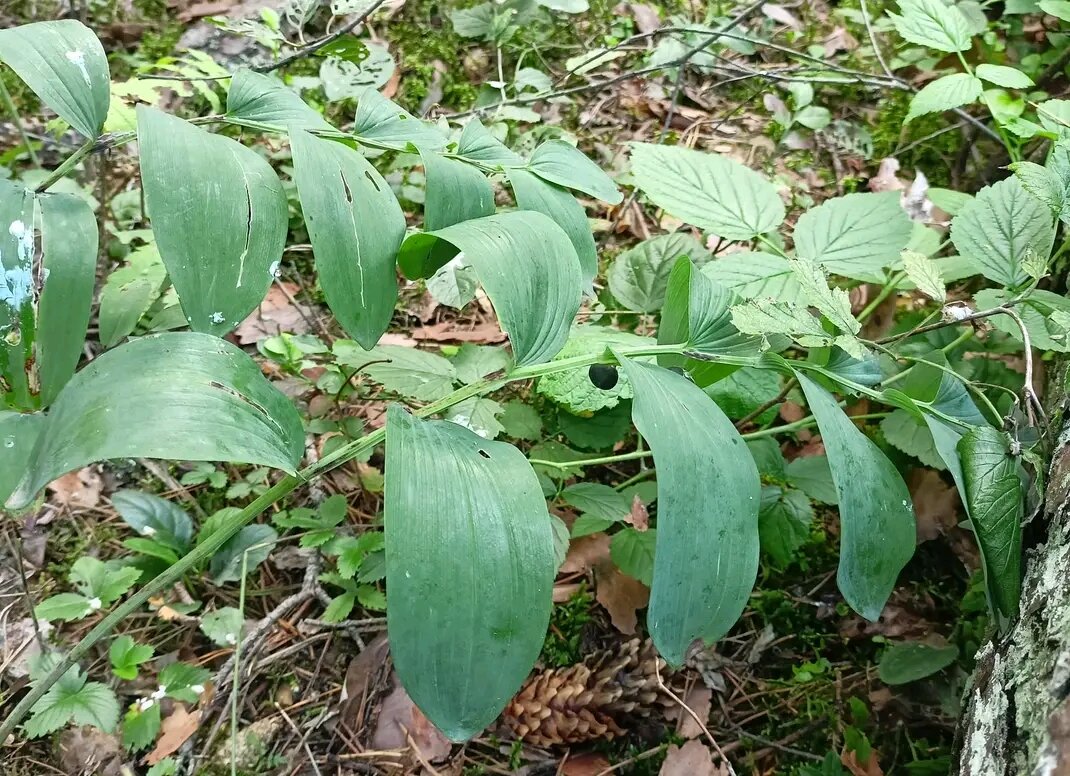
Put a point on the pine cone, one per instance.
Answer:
(589, 700)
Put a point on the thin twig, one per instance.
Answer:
(5, 95)
(303, 738)
(698, 720)
(873, 40)
(767, 405)
(312, 48)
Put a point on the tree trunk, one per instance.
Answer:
(1016, 710)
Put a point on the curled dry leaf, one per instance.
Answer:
(399, 719)
(936, 504)
(590, 764)
(77, 490)
(621, 596)
(174, 731)
(646, 17)
(87, 750)
(638, 516)
(692, 759)
(585, 554)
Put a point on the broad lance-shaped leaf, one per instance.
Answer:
(706, 556)
(995, 498)
(469, 566)
(534, 193)
(17, 294)
(530, 271)
(456, 192)
(877, 533)
(356, 227)
(707, 190)
(219, 215)
(65, 65)
(18, 435)
(180, 396)
(69, 249)
(380, 120)
(558, 162)
(262, 99)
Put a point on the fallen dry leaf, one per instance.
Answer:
(691, 759)
(638, 517)
(839, 40)
(779, 13)
(886, 178)
(936, 504)
(77, 490)
(450, 331)
(584, 765)
(399, 719)
(174, 731)
(698, 699)
(870, 768)
(275, 315)
(585, 553)
(364, 672)
(621, 596)
(646, 17)
(19, 645)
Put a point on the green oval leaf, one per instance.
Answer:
(69, 248)
(154, 517)
(639, 276)
(530, 271)
(709, 191)
(382, 121)
(709, 494)
(265, 100)
(533, 193)
(65, 65)
(356, 227)
(469, 566)
(912, 660)
(219, 215)
(18, 435)
(179, 396)
(995, 499)
(558, 162)
(877, 533)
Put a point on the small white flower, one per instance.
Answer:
(17, 229)
(95, 604)
(231, 639)
(145, 704)
(198, 689)
(148, 531)
(216, 318)
(160, 692)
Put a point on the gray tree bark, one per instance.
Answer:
(1016, 711)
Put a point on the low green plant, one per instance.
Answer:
(736, 334)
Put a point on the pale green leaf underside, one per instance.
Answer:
(855, 236)
(708, 499)
(877, 533)
(65, 65)
(934, 24)
(1002, 227)
(561, 163)
(179, 396)
(219, 215)
(709, 191)
(946, 93)
(470, 511)
(534, 193)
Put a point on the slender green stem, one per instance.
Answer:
(69, 164)
(234, 685)
(5, 96)
(886, 291)
(806, 422)
(593, 461)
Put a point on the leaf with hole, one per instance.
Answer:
(461, 508)
(219, 215)
(185, 397)
(356, 227)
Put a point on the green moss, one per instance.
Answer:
(564, 637)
